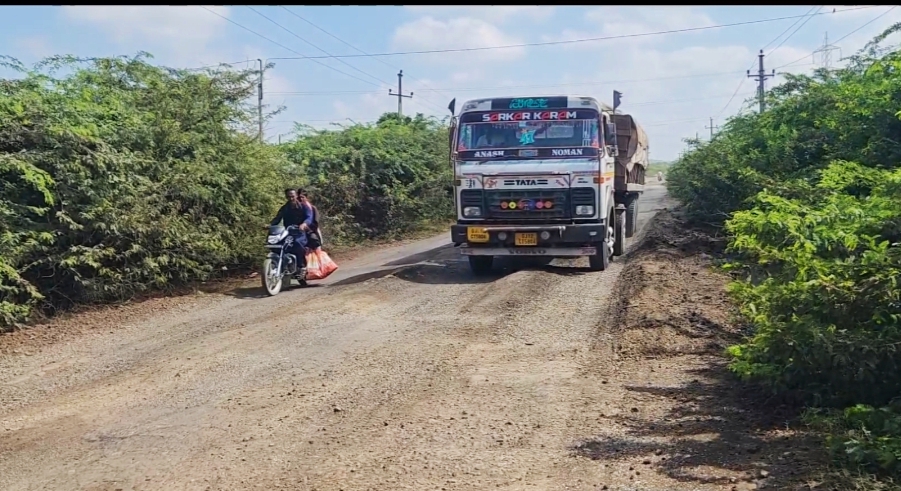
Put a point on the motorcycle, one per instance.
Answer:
(280, 263)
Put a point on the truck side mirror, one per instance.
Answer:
(450, 135)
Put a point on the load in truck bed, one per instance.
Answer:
(632, 161)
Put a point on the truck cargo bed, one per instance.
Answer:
(632, 161)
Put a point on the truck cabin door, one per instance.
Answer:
(610, 143)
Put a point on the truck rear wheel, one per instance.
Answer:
(632, 217)
(619, 234)
(481, 265)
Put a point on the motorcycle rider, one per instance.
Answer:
(313, 237)
(293, 212)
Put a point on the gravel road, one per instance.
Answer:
(399, 374)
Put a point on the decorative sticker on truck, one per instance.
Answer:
(529, 116)
(540, 103)
(515, 153)
(488, 154)
(567, 152)
(516, 116)
(530, 103)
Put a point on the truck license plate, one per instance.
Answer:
(477, 234)
(526, 239)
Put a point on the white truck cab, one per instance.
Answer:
(543, 176)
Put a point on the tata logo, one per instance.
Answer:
(490, 183)
(566, 152)
(525, 182)
(487, 154)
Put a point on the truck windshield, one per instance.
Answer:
(528, 134)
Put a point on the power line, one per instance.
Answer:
(324, 51)
(820, 7)
(315, 59)
(289, 31)
(535, 86)
(787, 29)
(573, 41)
(808, 15)
(285, 47)
(633, 104)
(314, 25)
(845, 36)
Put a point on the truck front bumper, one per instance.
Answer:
(503, 236)
(529, 251)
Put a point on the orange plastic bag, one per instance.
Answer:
(319, 265)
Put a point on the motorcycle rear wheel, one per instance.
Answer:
(271, 279)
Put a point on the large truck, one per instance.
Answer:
(552, 177)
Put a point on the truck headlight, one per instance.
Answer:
(472, 211)
(585, 210)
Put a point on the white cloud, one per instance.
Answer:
(182, 33)
(465, 76)
(495, 13)
(628, 21)
(38, 47)
(428, 33)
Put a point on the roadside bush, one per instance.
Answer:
(810, 195)
(122, 177)
(381, 180)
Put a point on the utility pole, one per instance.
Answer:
(826, 49)
(761, 79)
(260, 101)
(711, 128)
(400, 94)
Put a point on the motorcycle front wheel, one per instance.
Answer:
(271, 278)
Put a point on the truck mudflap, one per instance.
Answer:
(529, 251)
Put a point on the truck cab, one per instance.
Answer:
(537, 176)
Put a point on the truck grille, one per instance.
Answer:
(470, 197)
(560, 208)
(583, 196)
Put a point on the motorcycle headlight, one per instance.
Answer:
(585, 210)
(272, 239)
(472, 211)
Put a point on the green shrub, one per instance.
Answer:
(123, 177)
(377, 181)
(810, 195)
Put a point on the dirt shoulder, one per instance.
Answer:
(684, 418)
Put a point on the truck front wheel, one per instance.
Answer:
(601, 259)
(481, 265)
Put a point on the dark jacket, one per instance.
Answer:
(293, 216)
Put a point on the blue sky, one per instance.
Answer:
(672, 83)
